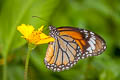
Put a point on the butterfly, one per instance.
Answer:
(70, 45)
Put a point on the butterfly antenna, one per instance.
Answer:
(46, 28)
(40, 18)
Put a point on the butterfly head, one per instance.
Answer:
(53, 31)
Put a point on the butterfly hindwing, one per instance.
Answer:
(64, 56)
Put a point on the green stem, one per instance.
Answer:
(11, 36)
(30, 48)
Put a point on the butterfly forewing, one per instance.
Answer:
(89, 42)
(70, 45)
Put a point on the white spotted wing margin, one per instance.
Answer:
(95, 44)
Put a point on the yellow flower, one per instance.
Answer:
(34, 36)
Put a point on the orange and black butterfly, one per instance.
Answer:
(70, 45)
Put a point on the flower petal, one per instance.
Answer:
(26, 30)
(43, 36)
(41, 28)
(34, 36)
(46, 40)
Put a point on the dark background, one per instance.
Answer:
(100, 16)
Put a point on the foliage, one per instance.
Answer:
(100, 16)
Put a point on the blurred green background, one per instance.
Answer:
(100, 16)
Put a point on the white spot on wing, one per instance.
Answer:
(89, 49)
(104, 47)
(67, 68)
(91, 33)
(63, 68)
(54, 69)
(92, 45)
(85, 31)
(93, 40)
(58, 69)
(93, 37)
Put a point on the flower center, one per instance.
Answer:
(34, 37)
